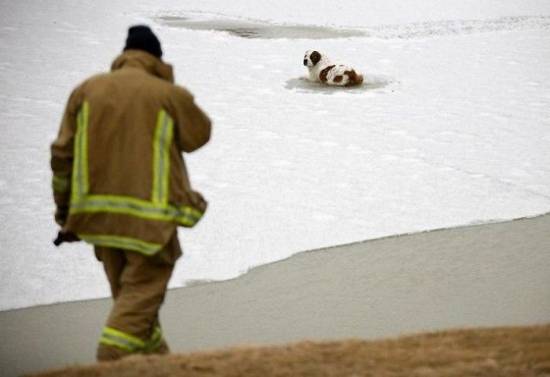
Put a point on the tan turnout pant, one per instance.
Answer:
(138, 286)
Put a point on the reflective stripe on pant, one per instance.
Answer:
(129, 343)
(138, 285)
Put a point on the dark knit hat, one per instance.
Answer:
(140, 37)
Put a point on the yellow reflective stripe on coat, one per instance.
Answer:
(122, 340)
(184, 215)
(80, 164)
(119, 242)
(161, 158)
(61, 184)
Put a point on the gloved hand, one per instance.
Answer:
(61, 213)
(198, 201)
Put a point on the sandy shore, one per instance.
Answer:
(475, 276)
(495, 352)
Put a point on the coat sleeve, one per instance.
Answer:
(193, 127)
(62, 159)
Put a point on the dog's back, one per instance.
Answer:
(340, 75)
(354, 78)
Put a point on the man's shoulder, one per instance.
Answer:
(181, 93)
(79, 92)
(156, 87)
(90, 80)
(127, 78)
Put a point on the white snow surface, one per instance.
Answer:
(452, 128)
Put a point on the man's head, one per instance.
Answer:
(140, 37)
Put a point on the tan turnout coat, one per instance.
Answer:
(119, 175)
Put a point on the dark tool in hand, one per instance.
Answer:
(65, 237)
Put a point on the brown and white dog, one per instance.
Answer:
(322, 70)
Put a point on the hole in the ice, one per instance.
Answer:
(249, 29)
(303, 85)
(245, 32)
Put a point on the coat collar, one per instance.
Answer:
(145, 61)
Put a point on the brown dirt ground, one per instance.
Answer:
(496, 352)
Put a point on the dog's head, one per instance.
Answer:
(311, 58)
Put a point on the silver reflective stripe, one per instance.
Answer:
(120, 242)
(156, 340)
(161, 158)
(184, 215)
(80, 164)
(61, 184)
(119, 339)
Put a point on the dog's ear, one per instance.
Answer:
(315, 57)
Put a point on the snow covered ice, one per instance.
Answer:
(453, 129)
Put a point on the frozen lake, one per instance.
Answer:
(452, 128)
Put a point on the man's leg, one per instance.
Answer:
(133, 325)
(114, 261)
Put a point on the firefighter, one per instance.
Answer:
(120, 183)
